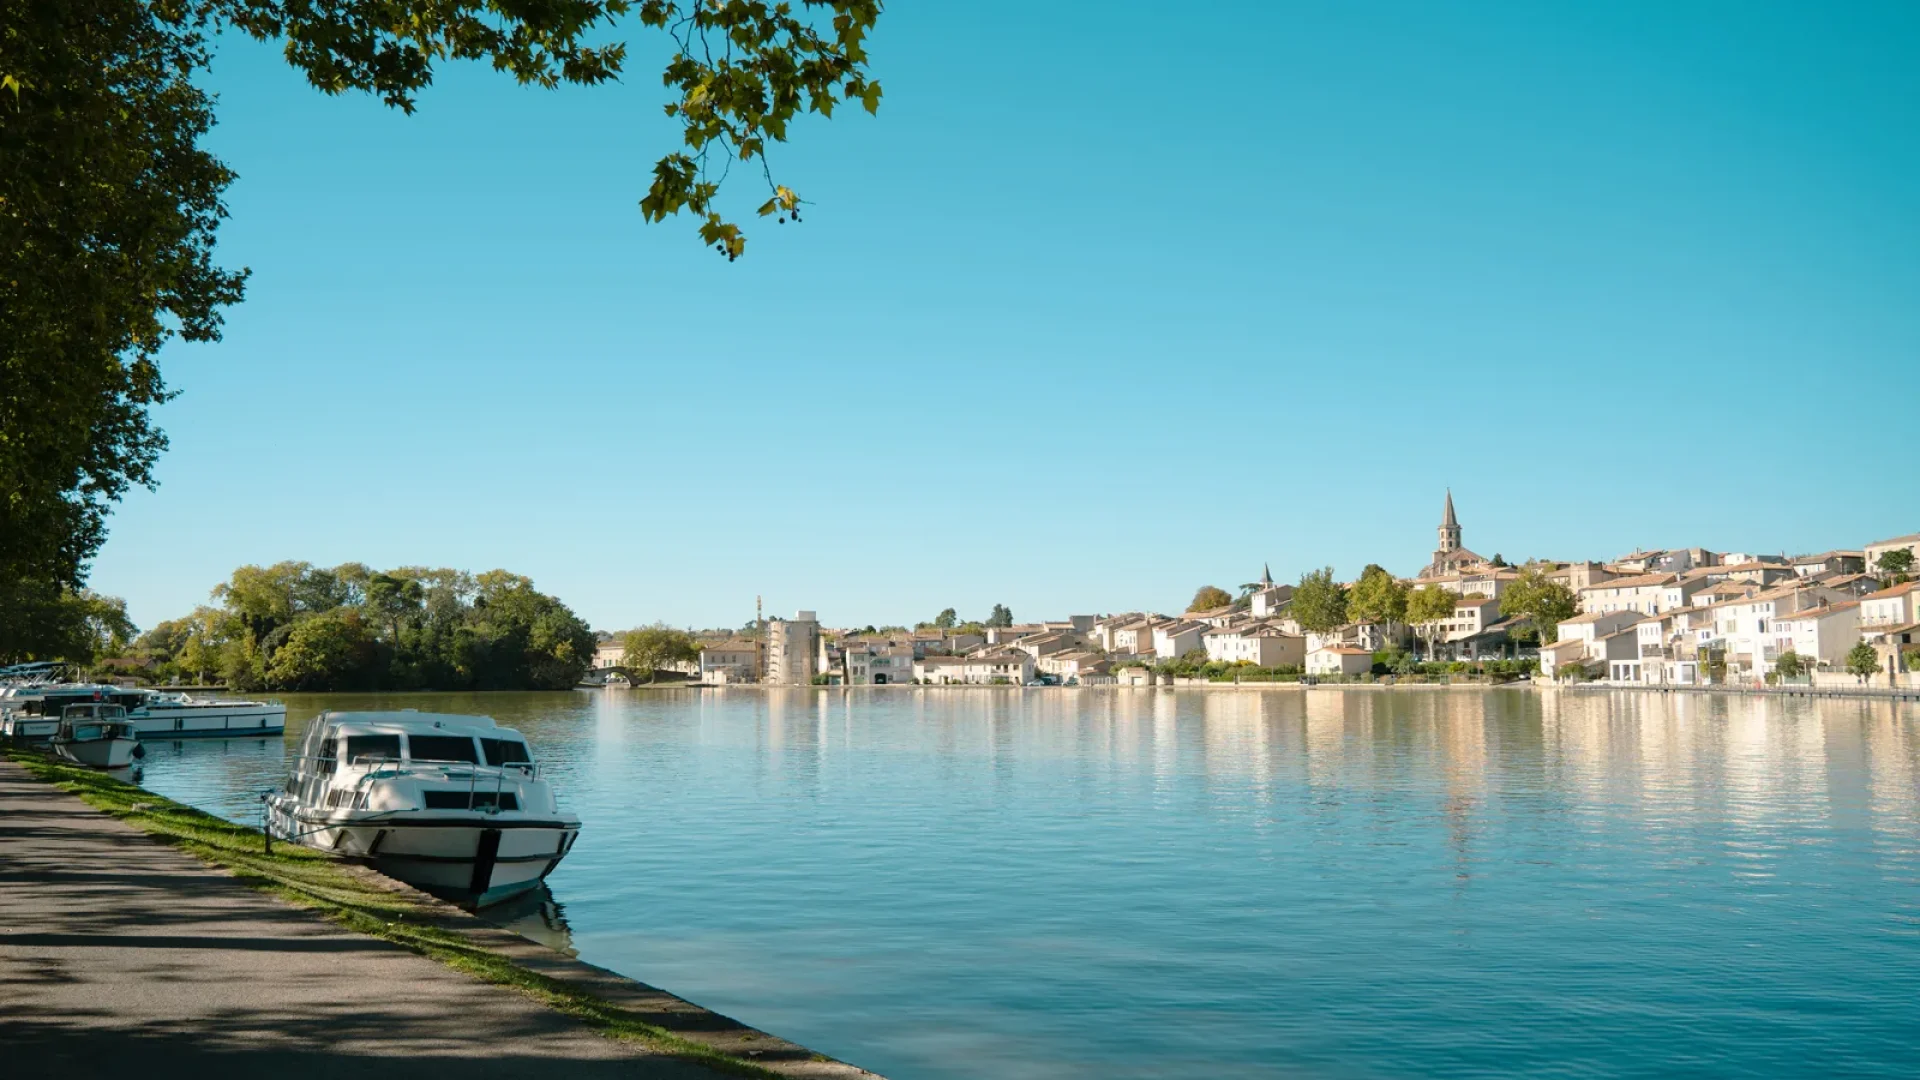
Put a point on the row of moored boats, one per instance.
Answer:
(452, 804)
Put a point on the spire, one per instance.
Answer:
(1449, 520)
(1266, 575)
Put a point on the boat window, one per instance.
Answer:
(362, 749)
(505, 751)
(86, 731)
(476, 800)
(441, 748)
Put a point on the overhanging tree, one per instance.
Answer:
(109, 203)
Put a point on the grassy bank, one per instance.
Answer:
(360, 902)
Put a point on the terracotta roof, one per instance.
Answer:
(1898, 590)
(1816, 612)
(1907, 539)
(1596, 616)
(1636, 582)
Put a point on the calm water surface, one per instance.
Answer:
(1137, 883)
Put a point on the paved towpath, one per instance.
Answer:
(120, 954)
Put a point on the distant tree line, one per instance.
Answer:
(295, 626)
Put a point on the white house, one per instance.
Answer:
(1746, 625)
(1339, 660)
(1889, 608)
(1073, 666)
(1176, 639)
(1830, 562)
(1648, 594)
(1821, 634)
(1269, 601)
(729, 661)
(878, 663)
(1134, 638)
(1015, 668)
(1909, 543)
(1262, 645)
(1594, 625)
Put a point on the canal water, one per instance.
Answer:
(1159, 883)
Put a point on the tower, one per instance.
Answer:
(1449, 528)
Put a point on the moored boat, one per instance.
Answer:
(454, 805)
(96, 735)
(33, 711)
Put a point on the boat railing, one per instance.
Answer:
(386, 768)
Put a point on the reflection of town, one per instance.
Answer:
(1507, 753)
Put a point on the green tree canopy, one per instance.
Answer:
(947, 619)
(1862, 660)
(1791, 665)
(1319, 602)
(1427, 607)
(1895, 565)
(109, 201)
(1377, 597)
(1542, 601)
(1001, 617)
(295, 626)
(653, 647)
(1209, 597)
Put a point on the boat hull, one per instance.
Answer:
(30, 728)
(98, 753)
(470, 860)
(210, 721)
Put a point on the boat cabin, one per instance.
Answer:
(406, 761)
(94, 720)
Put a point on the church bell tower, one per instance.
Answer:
(1449, 528)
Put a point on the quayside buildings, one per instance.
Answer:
(1683, 616)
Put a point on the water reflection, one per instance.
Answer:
(538, 916)
(1144, 883)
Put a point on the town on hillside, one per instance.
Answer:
(1674, 617)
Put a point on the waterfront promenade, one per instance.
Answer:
(118, 951)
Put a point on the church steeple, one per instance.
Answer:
(1449, 527)
(1266, 576)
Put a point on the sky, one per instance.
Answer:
(1103, 306)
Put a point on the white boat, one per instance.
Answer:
(33, 711)
(454, 805)
(97, 735)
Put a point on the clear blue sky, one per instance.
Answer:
(1104, 305)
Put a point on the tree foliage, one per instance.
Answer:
(109, 202)
(1427, 607)
(651, 648)
(1895, 565)
(1791, 665)
(1542, 601)
(107, 212)
(39, 621)
(1319, 602)
(294, 626)
(1377, 597)
(1209, 597)
(1862, 660)
(946, 620)
(1000, 617)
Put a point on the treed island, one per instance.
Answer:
(299, 627)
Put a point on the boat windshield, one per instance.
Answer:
(362, 749)
(441, 748)
(87, 732)
(505, 751)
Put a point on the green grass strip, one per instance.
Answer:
(315, 880)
